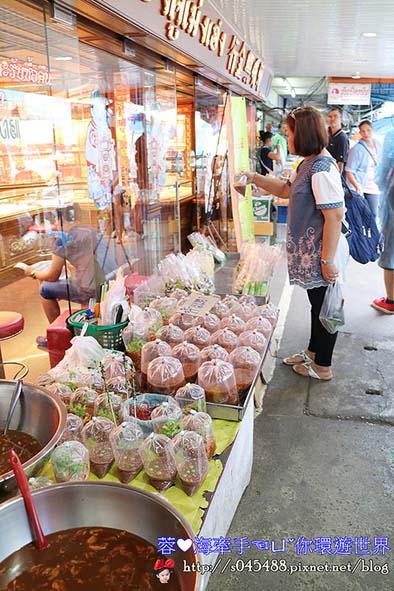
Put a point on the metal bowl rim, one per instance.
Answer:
(62, 412)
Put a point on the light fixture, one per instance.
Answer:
(369, 35)
(63, 58)
(356, 76)
(289, 87)
(293, 93)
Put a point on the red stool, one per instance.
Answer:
(11, 324)
(59, 338)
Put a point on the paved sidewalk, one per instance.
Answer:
(324, 453)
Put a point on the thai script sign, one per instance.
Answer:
(348, 94)
(16, 70)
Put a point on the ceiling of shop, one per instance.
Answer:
(317, 38)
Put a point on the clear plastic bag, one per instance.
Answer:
(226, 338)
(189, 355)
(70, 461)
(63, 391)
(158, 456)
(166, 418)
(109, 406)
(234, 323)
(254, 339)
(73, 429)
(332, 315)
(139, 409)
(95, 436)
(214, 352)
(150, 351)
(245, 361)
(166, 306)
(184, 321)
(261, 324)
(199, 336)
(82, 402)
(165, 375)
(209, 321)
(217, 378)
(171, 334)
(191, 460)
(125, 442)
(201, 423)
(191, 397)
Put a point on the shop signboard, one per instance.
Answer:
(197, 29)
(340, 93)
(238, 160)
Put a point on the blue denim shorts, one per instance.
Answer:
(57, 290)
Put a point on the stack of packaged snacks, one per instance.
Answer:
(246, 362)
(226, 338)
(125, 441)
(254, 339)
(165, 375)
(150, 351)
(73, 429)
(234, 323)
(70, 461)
(217, 378)
(166, 418)
(171, 334)
(191, 397)
(201, 423)
(95, 436)
(158, 456)
(191, 460)
(189, 355)
(214, 352)
(199, 336)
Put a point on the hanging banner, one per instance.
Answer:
(238, 160)
(348, 94)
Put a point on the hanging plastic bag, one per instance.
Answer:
(331, 314)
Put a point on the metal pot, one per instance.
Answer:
(99, 504)
(37, 413)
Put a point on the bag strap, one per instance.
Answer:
(369, 152)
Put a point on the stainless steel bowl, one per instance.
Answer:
(98, 504)
(38, 413)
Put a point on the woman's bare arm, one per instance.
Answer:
(270, 184)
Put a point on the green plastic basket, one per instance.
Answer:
(109, 336)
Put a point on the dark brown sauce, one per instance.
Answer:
(88, 559)
(24, 444)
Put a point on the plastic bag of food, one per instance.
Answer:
(139, 409)
(189, 355)
(261, 324)
(250, 299)
(234, 323)
(73, 429)
(63, 391)
(191, 397)
(135, 312)
(246, 362)
(119, 386)
(199, 336)
(268, 311)
(165, 375)
(178, 294)
(221, 309)
(82, 402)
(84, 352)
(171, 334)
(166, 418)
(125, 441)
(201, 423)
(116, 364)
(95, 435)
(158, 456)
(166, 306)
(191, 460)
(231, 301)
(226, 338)
(109, 406)
(254, 339)
(183, 321)
(70, 461)
(150, 351)
(36, 482)
(214, 352)
(217, 378)
(331, 314)
(209, 321)
(246, 310)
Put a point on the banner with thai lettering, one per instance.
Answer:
(238, 160)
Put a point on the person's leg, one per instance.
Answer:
(310, 351)
(51, 309)
(51, 292)
(389, 284)
(373, 202)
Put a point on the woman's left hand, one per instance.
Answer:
(330, 273)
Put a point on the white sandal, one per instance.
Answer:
(310, 372)
(305, 359)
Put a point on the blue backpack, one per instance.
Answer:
(364, 239)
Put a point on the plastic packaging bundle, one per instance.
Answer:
(178, 294)
(158, 456)
(116, 364)
(249, 299)
(270, 312)
(148, 291)
(73, 429)
(63, 391)
(166, 306)
(109, 406)
(115, 297)
(199, 336)
(171, 334)
(70, 461)
(139, 409)
(256, 266)
(135, 313)
(119, 385)
(246, 311)
(184, 321)
(201, 423)
(209, 321)
(150, 351)
(246, 362)
(189, 355)
(165, 375)
(254, 339)
(231, 301)
(125, 441)
(226, 338)
(82, 402)
(191, 397)
(214, 352)
(221, 309)
(166, 418)
(261, 324)
(85, 352)
(191, 460)
(95, 436)
(234, 323)
(217, 378)
(36, 482)
(199, 240)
